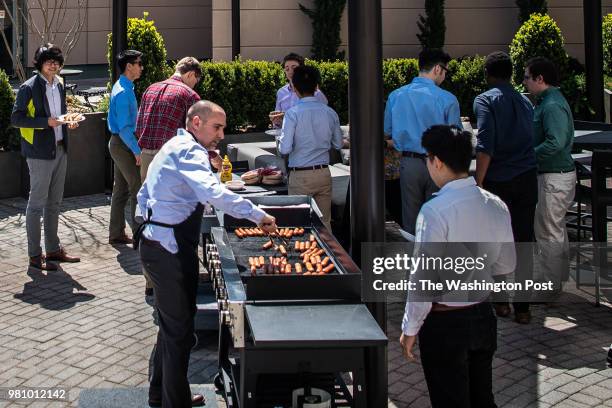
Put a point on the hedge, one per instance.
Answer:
(607, 43)
(8, 135)
(247, 89)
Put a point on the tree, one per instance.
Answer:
(46, 21)
(528, 7)
(326, 16)
(433, 26)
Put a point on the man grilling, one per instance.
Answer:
(178, 182)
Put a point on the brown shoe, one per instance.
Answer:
(502, 309)
(522, 317)
(197, 400)
(121, 240)
(61, 256)
(40, 263)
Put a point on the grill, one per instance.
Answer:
(290, 329)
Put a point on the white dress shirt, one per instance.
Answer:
(55, 103)
(463, 212)
(286, 98)
(179, 178)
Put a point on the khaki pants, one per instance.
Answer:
(315, 183)
(146, 157)
(126, 186)
(555, 195)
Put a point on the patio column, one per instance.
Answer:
(235, 28)
(593, 55)
(119, 33)
(367, 169)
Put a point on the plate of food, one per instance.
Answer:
(73, 117)
(235, 185)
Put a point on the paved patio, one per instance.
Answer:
(88, 328)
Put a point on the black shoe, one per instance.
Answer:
(197, 400)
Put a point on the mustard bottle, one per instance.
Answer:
(226, 170)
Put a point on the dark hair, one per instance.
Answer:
(430, 57)
(542, 66)
(127, 57)
(305, 79)
(293, 57)
(47, 52)
(498, 65)
(452, 145)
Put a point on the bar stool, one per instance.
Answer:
(601, 199)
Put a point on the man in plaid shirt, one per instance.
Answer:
(163, 109)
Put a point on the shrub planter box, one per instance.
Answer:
(10, 174)
(86, 153)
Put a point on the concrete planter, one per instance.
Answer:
(86, 156)
(252, 137)
(10, 174)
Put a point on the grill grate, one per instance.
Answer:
(249, 247)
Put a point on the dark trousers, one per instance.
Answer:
(175, 300)
(457, 349)
(521, 196)
(393, 200)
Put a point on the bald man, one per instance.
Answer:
(179, 181)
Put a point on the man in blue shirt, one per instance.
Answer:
(310, 129)
(506, 162)
(410, 111)
(123, 146)
(179, 181)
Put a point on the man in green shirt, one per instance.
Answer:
(554, 135)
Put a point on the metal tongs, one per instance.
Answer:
(283, 241)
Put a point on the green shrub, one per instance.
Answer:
(466, 81)
(325, 16)
(144, 37)
(432, 26)
(8, 136)
(245, 89)
(334, 84)
(398, 72)
(607, 44)
(528, 7)
(538, 37)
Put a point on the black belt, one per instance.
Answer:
(557, 172)
(317, 167)
(59, 142)
(414, 155)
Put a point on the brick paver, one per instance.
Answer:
(88, 328)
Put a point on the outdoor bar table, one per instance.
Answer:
(593, 140)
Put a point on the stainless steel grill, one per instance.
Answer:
(258, 310)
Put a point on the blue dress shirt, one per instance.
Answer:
(122, 113)
(414, 108)
(179, 178)
(309, 130)
(505, 132)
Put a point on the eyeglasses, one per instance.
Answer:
(52, 62)
(444, 67)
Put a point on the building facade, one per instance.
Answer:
(269, 29)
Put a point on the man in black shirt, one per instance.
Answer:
(506, 163)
